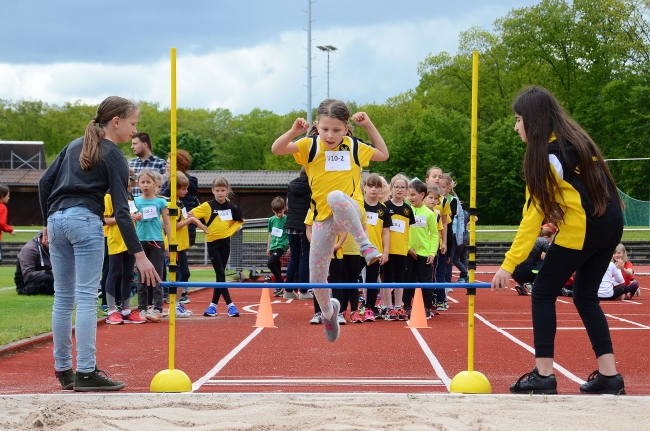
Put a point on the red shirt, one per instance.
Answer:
(4, 227)
(628, 278)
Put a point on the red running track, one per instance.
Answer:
(229, 355)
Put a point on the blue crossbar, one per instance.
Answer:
(257, 285)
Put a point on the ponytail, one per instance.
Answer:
(110, 108)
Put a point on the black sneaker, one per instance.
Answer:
(600, 384)
(66, 378)
(277, 292)
(533, 383)
(521, 290)
(94, 381)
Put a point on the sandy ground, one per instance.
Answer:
(143, 412)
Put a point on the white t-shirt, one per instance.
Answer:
(612, 277)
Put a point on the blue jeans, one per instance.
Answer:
(77, 251)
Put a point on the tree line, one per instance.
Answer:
(594, 55)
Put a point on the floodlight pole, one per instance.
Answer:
(328, 49)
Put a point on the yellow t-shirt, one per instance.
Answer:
(378, 218)
(227, 219)
(336, 169)
(113, 235)
(402, 218)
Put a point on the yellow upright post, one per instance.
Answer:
(470, 381)
(172, 380)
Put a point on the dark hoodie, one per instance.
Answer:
(298, 200)
(33, 261)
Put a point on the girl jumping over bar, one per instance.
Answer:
(333, 159)
(569, 184)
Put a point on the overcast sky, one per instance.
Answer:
(235, 54)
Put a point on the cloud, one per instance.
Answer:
(372, 63)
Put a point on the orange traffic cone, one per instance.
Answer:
(264, 313)
(418, 319)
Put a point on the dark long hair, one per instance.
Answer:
(543, 115)
(111, 107)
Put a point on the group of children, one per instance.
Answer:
(415, 227)
(219, 219)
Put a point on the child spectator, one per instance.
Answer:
(378, 225)
(434, 177)
(298, 201)
(461, 235)
(149, 228)
(613, 285)
(120, 267)
(183, 240)
(33, 268)
(432, 201)
(402, 218)
(526, 272)
(625, 266)
(223, 220)
(423, 245)
(4, 227)
(351, 269)
(278, 242)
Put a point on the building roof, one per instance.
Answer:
(237, 179)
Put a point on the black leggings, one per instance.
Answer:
(622, 289)
(219, 252)
(372, 276)
(120, 273)
(590, 266)
(418, 271)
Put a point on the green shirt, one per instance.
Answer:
(279, 238)
(423, 235)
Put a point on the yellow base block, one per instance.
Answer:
(171, 381)
(470, 382)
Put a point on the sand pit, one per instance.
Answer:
(374, 412)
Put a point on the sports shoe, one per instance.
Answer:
(600, 384)
(355, 317)
(521, 290)
(211, 311)
(66, 378)
(232, 311)
(181, 311)
(104, 309)
(277, 292)
(114, 318)
(427, 314)
(341, 318)
(166, 299)
(306, 295)
(290, 294)
(184, 299)
(401, 314)
(391, 314)
(434, 311)
(94, 381)
(371, 254)
(638, 292)
(533, 383)
(155, 316)
(332, 327)
(317, 319)
(133, 317)
(369, 315)
(461, 280)
(567, 292)
(528, 287)
(382, 313)
(182, 307)
(440, 306)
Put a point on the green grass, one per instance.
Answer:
(24, 316)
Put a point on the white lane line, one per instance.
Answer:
(557, 366)
(7, 288)
(628, 321)
(576, 328)
(437, 367)
(222, 363)
(563, 301)
(325, 382)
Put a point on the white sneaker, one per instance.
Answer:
(306, 295)
(341, 319)
(288, 294)
(181, 312)
(317, 319)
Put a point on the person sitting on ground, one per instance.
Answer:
(625, 266)
(34, 269)
(525, 273)
(613, 285)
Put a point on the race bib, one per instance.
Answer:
(420, 221)
(372, 218)
(276, 232)
(132, 208)
(225, 215)
(149, 212)
(337, 160)
(184, 213)
(398, 226)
